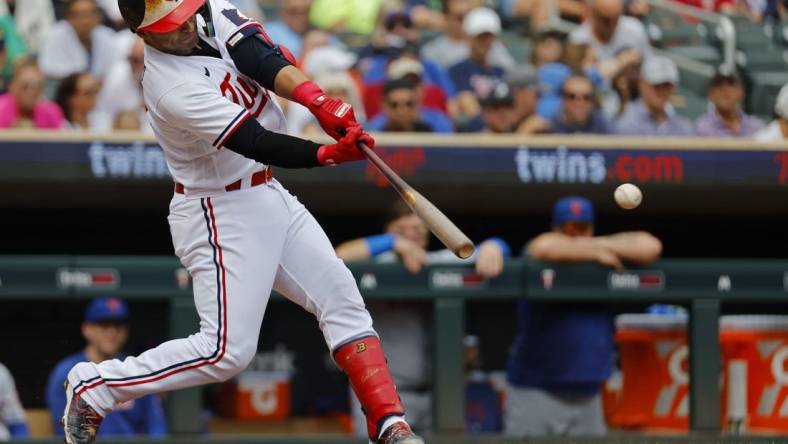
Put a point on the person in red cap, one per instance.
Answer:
(208, 85)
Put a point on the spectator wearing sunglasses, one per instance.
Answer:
(402, 111)
(24, 106)
(579, 109)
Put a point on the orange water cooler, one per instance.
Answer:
(256, 395)
(755, 375)
(654, 366)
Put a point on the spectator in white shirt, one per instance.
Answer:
(609, 32)
(777, 130)
(32, 20)
(79, 43)
(121, 92)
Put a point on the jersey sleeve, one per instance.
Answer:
(201, 110)
(231, 25)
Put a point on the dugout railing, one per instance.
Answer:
(700, 285)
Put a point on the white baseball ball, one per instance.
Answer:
(628, 196)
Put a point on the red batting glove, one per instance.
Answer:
(346, 149)
(334, 115)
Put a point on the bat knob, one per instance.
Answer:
(465, 251)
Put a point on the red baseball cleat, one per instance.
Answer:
(80, 421)
(399, 433)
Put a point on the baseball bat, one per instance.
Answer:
(440, 225)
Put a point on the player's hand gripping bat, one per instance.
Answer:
(440, 225)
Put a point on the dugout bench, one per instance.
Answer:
(700, 285)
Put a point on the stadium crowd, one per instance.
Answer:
(405, 65)
(411, 66)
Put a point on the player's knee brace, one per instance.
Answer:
(365, 365)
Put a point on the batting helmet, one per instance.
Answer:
(158, 15)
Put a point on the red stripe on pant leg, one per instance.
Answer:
(224, 317)
(88, 387)
(224, 280)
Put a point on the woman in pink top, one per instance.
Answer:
(24, 105)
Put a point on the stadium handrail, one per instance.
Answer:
(477, 140)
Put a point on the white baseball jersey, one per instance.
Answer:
(196, 102)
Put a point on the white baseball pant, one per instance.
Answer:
(237, 246)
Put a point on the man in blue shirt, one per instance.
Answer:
(291, 26)
(474, 77)
(563, 353)
(105, 330)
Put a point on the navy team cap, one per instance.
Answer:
(573, 209)
(107, 310)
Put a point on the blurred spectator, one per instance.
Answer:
(76, 96)
(539, 10)
(338, 84)
(402, 111)
(609, 32)
(24, 106)
(4, 64)
(482, 402)
(105, 330)
(403, 327)
(548, 48)
(111, 12)
(563, 353)
(626, 87)
(401, 40)
(433, 95)
(579, 111)
(551, 77)
(452, 46)
(725, 117)
(522, 80)
(32, 20)
(12, 48)
(79, 43)
(498, 110)
(13, 423)
(653, 115)
(474, 77)
(777, 130)
(291, 26)
(121, 91)
(721, 6)
(356, 16)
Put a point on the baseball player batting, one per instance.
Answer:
(209, 77)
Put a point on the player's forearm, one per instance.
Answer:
(554, 247)
(636, 246)
(354, 250)
(286, 81)
(257, 143)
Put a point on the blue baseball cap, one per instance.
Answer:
(107, 309)
(573, 209)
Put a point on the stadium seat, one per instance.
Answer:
(763, 90)
(689, 103)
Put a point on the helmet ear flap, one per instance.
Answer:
(205, 12)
